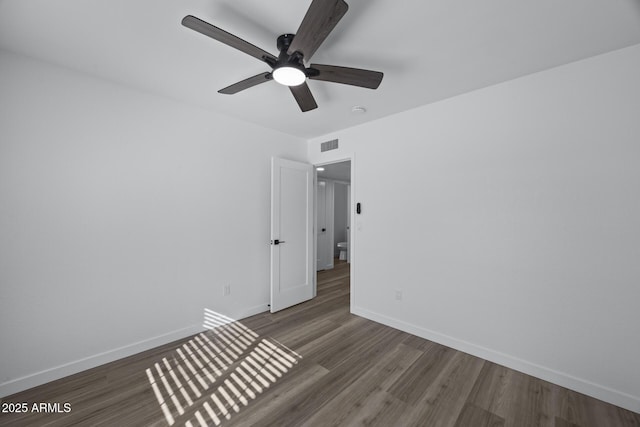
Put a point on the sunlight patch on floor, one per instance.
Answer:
(229, 365)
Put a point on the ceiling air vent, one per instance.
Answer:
(329, 145)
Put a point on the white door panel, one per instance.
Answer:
(291, 233)
(348, 223)
(321, 212)
(324, 232)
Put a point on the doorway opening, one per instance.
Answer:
(333, 216)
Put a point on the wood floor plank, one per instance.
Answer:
(472, 415)
(273, 404)
(586, 411)
(490, 387)
(365, 399)
(525, 400)
(313, 330)
(418, 343)
(517, 397)
(559, 422)
(342, 374)
(379, 409)
(446, 396)
(308, 401)
(354, 338)
(414, 383)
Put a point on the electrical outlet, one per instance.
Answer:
(226, 290)
(398, 295)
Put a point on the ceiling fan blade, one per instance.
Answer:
(321, 18)
(246, 83)
(345, 75)
(303, 96)
(227, 38)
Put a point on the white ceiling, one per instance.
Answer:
(428, 49)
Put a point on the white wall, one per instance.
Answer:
(122, 215)
(520, 213)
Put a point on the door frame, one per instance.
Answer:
(352, 234)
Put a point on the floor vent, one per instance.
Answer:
(329, 145)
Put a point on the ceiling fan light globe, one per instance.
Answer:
(289, 76)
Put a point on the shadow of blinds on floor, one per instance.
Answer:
(217, 372)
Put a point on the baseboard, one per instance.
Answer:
(251, 311)
(61, 371)
(597, 391)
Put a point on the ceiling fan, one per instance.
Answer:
(288, 67)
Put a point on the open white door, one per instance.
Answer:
(324, 225)
(291, 233)
(348, 223)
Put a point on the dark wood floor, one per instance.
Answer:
(311, 365)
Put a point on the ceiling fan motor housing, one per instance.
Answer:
(284, 41)
(284, 59)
